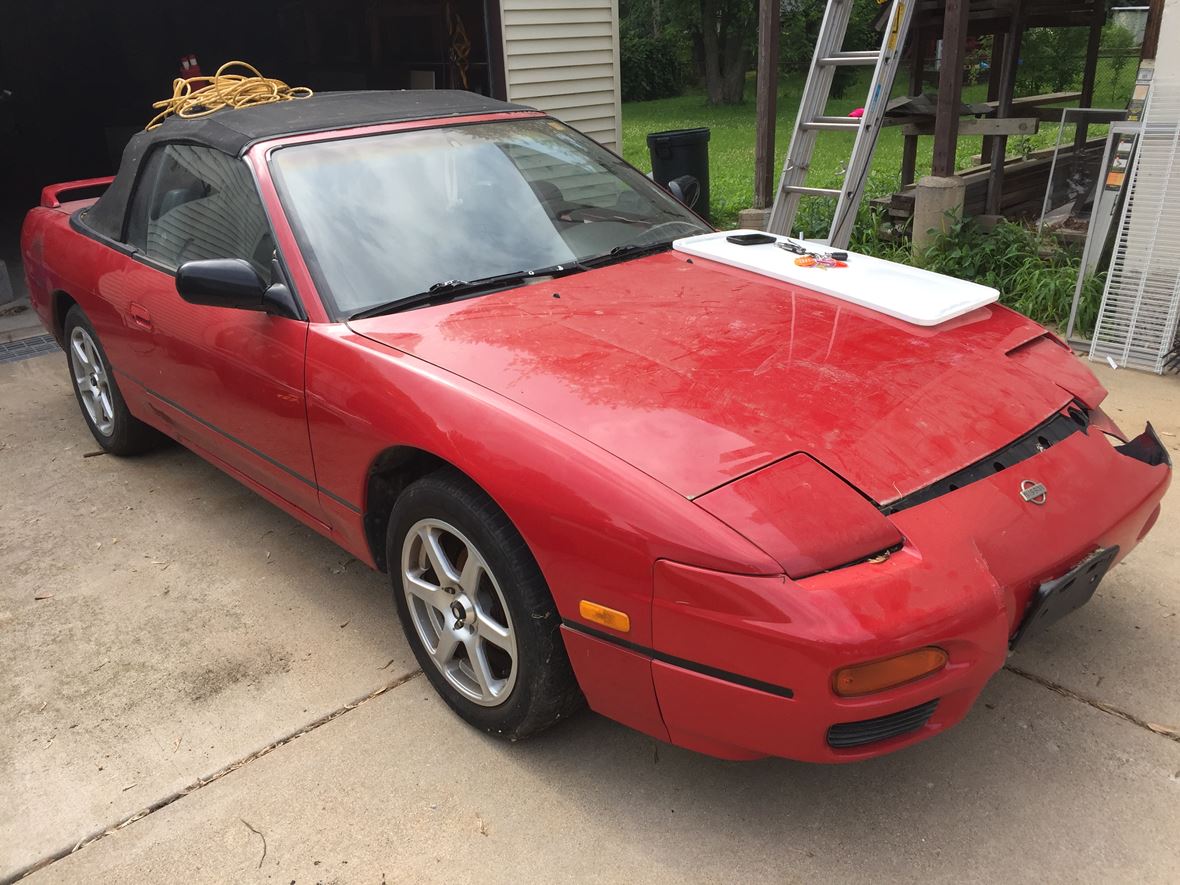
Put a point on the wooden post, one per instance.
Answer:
(950, 87)
(1091, 69)
(766, 110)
(995, 187)
(1151, 37)
(909, 153)
(993, 89)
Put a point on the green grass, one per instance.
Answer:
(731, 146)
(1034, 275)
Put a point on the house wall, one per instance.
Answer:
(562, 57)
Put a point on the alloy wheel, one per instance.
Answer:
(92, 381)
(459, 612)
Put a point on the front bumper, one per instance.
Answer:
(741, 667)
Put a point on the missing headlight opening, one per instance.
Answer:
(1058, 428)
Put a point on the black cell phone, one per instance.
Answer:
(750, 239)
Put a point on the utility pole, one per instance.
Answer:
(769, 25)
(1151, 37)
(950, 87)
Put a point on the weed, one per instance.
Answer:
(1035, 275)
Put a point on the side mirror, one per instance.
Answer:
(686, 189)
(233, 282)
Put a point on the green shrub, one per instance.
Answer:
(878, 235)
(1120, 46)
(1051, 60)
(800, 29)
(652, 67)
(1035, 275)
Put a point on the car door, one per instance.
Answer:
(228, 381)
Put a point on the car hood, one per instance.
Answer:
(697, 373)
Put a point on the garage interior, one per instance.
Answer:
(77, 79)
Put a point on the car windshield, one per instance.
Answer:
(382, 218)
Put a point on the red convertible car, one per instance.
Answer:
(453, 336)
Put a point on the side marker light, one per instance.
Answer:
(607, 617)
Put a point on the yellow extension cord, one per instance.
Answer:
(223, 90)
(460, 44)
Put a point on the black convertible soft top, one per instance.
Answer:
(233, 131)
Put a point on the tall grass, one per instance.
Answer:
(1035, 275)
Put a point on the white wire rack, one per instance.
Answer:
(1137, 321)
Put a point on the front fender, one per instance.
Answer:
(594, 524)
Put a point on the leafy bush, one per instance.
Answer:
(1051, 60)
(652, 67)
(1120, 46)
(878, 235)
(1034, 275)
(801, 20)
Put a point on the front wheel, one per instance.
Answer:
(476, 610)
(110, 421)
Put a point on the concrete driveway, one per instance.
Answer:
(196, 688)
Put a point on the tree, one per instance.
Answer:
(654, 52)
(1121, 46)
(801, 21)
(723, 34)
(1051, 60)
(727, 28)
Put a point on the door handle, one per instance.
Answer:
(140, 316)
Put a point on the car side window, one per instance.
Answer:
(194, 203)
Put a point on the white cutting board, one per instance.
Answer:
(896, 290)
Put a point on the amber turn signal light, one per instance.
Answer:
(608, 617)
(865, 679)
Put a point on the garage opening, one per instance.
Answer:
(78, 79)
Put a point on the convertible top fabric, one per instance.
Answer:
(233, 131)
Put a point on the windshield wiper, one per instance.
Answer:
(626, 251)
(447, 290)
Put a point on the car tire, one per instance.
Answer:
(486, 634)
(113, 426)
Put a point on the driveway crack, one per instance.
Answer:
(1155, 728)
(205, 781)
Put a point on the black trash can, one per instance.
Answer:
(682, 152)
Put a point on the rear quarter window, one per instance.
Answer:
(194, 203)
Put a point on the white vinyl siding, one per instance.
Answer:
(562, 57)
(587, 186)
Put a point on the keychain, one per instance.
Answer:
(807, 258)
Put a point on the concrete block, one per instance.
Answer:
(754, 219)
(938, 202)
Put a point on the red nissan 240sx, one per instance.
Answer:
(742, 514)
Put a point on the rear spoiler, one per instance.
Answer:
(84, 189)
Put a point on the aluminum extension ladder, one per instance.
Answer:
(811, 120)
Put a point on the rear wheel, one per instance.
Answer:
(106, 414)
(476, 610)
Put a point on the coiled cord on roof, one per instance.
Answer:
(198, 96)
